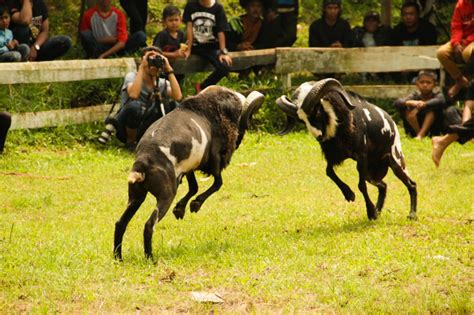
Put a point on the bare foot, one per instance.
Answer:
(438, 149)
(460, 83)
(418, 137)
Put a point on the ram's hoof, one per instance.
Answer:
(412, 216)
(195, 205)
(372, 216)
(178, 213)
(349, 195)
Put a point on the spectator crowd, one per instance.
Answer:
(203, 29)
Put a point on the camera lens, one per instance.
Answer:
(155, 61)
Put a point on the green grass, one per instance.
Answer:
(278, 236)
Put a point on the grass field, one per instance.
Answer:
(278, 236)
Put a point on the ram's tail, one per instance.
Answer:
(137, 174)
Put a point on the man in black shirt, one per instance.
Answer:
(330, 30)
(412, 29)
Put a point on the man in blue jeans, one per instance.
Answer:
(30, 25)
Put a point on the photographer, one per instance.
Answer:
(140, 92)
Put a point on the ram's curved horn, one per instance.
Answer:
(252, 103)
(289, 108)
(320, 89)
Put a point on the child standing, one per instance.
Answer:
(419, 109)
(171, 40)
(206, 23)
(10, 49)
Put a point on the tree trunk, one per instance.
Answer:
(387, 12)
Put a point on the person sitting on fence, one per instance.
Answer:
(206, 23)
(137, 11)
(331, 30)
(462, 131)
(280, 23)
(171, 40)
(421, 111)
(143, 99)
(30, 25)
(459, 48)
(103, 32)
(412, 29)
(10, 49)
(5, 123)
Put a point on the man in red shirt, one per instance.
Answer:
(103, 32)
(459, 48)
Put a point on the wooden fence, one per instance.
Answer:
(357, 60)
(287, 61)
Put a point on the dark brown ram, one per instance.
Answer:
(201, 134)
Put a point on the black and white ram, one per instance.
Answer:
(201, 134)
(348, 126)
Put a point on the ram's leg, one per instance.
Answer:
(401, 173)
(156, 216)
(136, 196)
(363, 174)
(346, 191)
(197, 203)
(163, 186)
(180, 207)
(382, 187)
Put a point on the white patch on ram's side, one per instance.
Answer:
(332, 124)
(397, 153)
(386, 124)
(312, 130)
(367, 114)
(195, 156)
(302, 92)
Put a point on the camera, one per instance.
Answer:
(156, 61)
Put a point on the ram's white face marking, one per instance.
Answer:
(312, 130)
(302, 92)
(332, 125)
(367, 114)
(195, 156)
(386, 124)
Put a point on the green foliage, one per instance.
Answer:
(277, 238)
